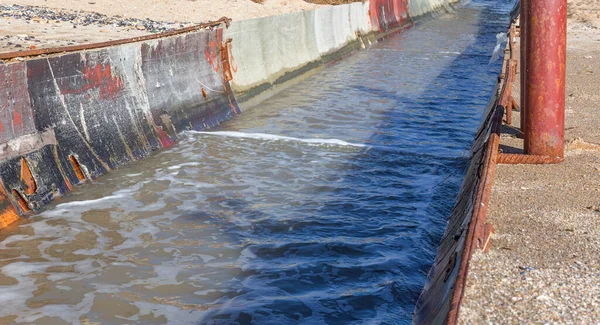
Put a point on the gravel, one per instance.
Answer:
(82, 18)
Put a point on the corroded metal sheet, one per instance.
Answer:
(73, 117)
(16, 118)
(184, 79)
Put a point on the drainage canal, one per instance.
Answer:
(324, 204)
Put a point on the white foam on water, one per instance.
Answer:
(206, 258)
(166, 274)
(309, 141)
(188, 164)
(174, 180)
(105, 199)
(89, 252)
(14, 297)
(273, 137)
(12, 239)
(64, 288)
(174, 315)
(204, 292)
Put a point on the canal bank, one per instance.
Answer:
(543, 264)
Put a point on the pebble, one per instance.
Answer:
(543, 298)
(51, 19)
(45, 15)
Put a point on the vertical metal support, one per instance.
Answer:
(523, 63)
(545, 52)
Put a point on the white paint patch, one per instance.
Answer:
(83, 124)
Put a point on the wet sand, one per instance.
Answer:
(543, 267)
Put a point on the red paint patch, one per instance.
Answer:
(386, 14)
(212, 55)
(164, 138)
(17, 118)
(99, 77)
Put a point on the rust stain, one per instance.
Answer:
(8, 216)
(212, 55)
(225, 55)
(21, 201)
(8, 213)
(516, 159)
(77, 168)
(27, 178)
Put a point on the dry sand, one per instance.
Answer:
(29, 24)
(544, 266)
(586, 11)
(175, 10)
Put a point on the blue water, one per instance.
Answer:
(322, 205)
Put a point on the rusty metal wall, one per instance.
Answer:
(72, 117)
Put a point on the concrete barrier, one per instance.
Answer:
(360, 21)
(75, 116)
(418, 8)
(271, 50)
(333, 32)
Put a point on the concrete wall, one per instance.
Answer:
(267, 51)
(419, 8)
(74, 116)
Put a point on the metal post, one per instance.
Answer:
(523, 63)
(545, 64)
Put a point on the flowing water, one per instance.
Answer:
(322, 205)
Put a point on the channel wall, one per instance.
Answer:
(72, 114)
